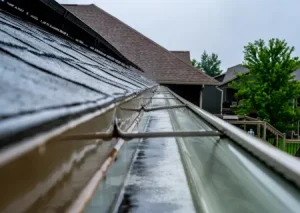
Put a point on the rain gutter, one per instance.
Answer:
(86, 194)
(40, 139)
(288, 166)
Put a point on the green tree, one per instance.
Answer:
(195, 63)
(269, 88)
(210, 64)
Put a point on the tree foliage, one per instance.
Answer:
(269, 88)
(195, 63)
(210, 64)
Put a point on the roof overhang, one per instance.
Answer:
(227, 82)
(186, 83)
(57, 19)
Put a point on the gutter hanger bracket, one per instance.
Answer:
(116, 132)
(154, 108)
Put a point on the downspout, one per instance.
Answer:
(201, 97)
(225, 88)
(221, 99)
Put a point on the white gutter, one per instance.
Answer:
(201, 97)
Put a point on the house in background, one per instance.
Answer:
(220, 77)
(172, 69)
(228, 97)
(211, 95)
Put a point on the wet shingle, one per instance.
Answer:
(45, 77)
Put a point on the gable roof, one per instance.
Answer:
(240, 69)
(155, 60)
(230, 73)
(183, 55)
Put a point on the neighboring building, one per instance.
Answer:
(232, 71)
(228, 93)
(172, 69)
(297, 74)
(220, 77)
(228, 77)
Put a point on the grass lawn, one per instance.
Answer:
(290, 148)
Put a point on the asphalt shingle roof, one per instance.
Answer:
(46, 78)
(183, 55)
(155, 60)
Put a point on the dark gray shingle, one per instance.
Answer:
(46, 78)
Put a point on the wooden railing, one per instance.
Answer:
(289, 145)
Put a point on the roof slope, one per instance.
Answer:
(45, 78)
(239, 69)
(151, 57)
(230, 73)
(220, 77)
(183, 55)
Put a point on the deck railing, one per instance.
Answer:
(291, 146)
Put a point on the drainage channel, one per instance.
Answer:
(224, 177)
(155, 181)
(154, 174)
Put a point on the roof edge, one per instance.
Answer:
(220, 75)
(226, 82)
(187, 83)
(60, 21)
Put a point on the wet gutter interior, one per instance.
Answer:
(155, 180)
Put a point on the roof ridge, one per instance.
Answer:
(235, 66)
(220, 75)
(229, 70)
(166, 50)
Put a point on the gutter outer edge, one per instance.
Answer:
(14, 151)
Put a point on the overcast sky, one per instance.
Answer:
(220, 26)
